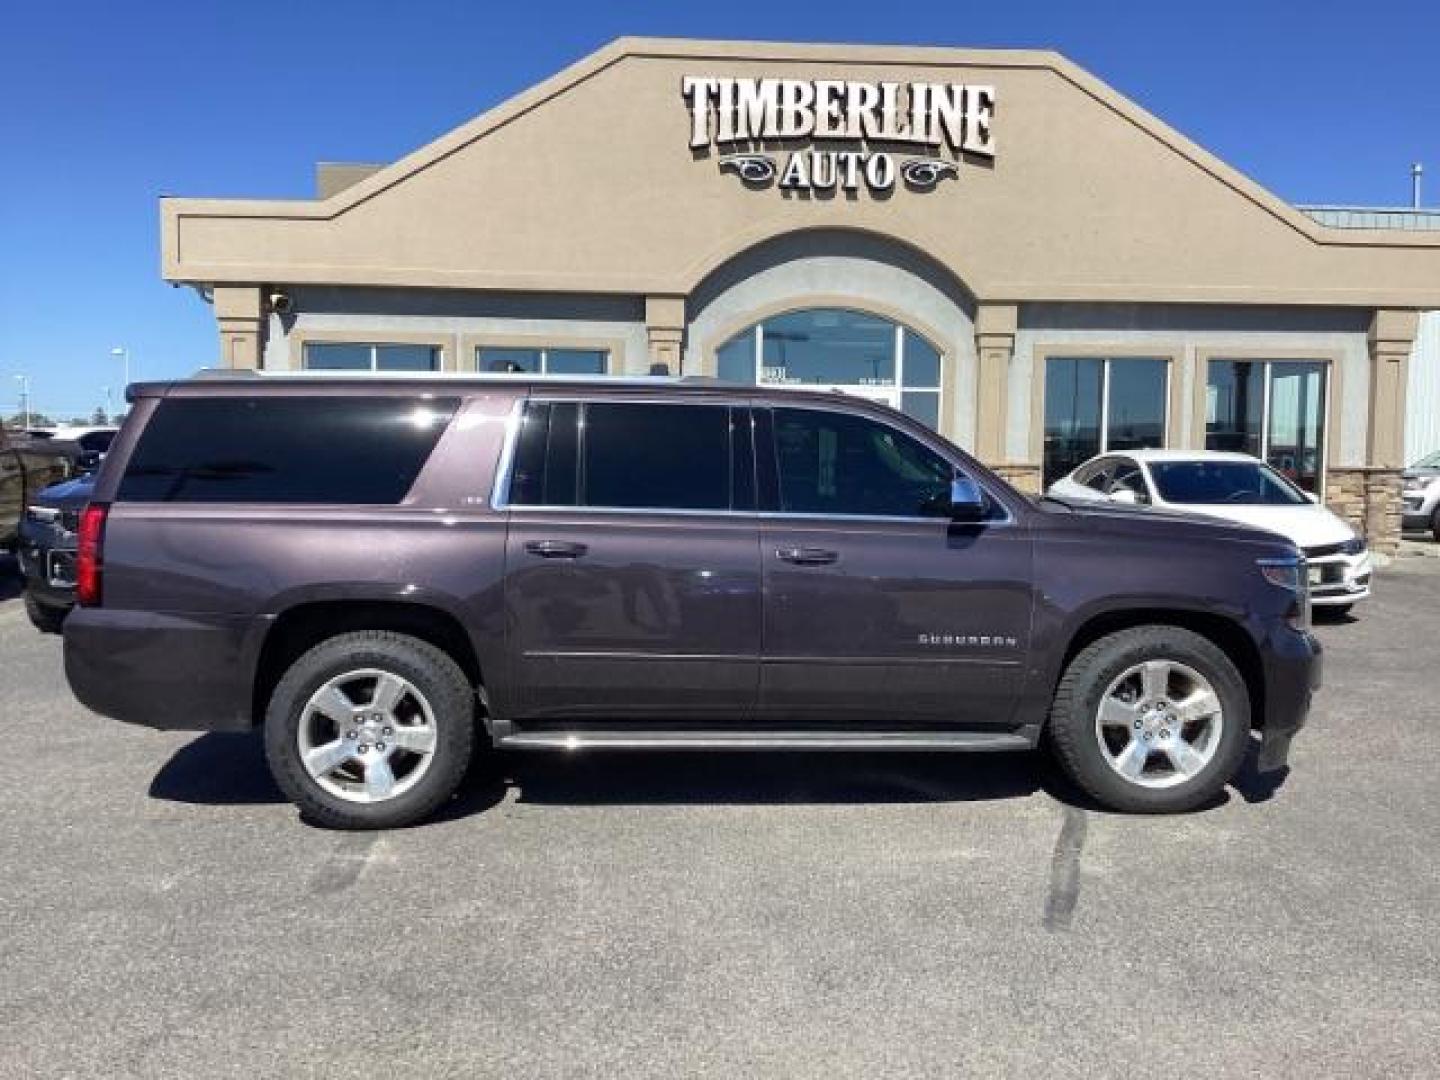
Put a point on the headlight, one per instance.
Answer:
(1293, 576)
(1354, 546)
(1418, 483)
(1288, 574)
(42, 515)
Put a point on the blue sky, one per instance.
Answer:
(107, 106)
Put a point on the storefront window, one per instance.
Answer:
(1272, 409)
(839, 349)
(357, 356)
(1096, 404)
(541, 361)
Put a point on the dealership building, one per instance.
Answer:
(995, 242)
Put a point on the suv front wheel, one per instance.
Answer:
(370, 730)
(1154, 719)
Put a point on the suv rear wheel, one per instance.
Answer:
(370, 730)
(1154, 719)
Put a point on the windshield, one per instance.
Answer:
(1209, 483)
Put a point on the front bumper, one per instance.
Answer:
(47, 560)
(1339, 579)
(1294, 669)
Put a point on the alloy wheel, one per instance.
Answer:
(1159, 723)
(367, 736)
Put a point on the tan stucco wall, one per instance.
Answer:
(588, 183)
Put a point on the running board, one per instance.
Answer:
(762, 740)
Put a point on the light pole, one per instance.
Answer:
(108, 408)
(123, 353)
(24, 381)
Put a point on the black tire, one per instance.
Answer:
(1435, 524)
(1071, 727)
(1330, 612)
(430, 670)
(46, 618)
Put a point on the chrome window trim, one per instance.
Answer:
(500, 486)
(500, 490)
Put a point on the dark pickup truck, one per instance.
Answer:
(385, 573)
(27, 465)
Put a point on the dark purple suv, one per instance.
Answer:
(386, 572)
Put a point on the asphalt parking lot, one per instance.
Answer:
(163, 913)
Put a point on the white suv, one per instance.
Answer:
(1422, 496)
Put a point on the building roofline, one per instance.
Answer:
(623, 48)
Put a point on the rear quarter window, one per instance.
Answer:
(364, 450)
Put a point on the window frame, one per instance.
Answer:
(544, 351)
(470, 345)
(505, 467)
(443, 343)
(900, 324)
(1170, 355)
(1329, 411)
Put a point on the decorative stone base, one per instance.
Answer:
(1026, 478)
(1368, 498)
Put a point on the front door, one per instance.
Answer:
(877, 607)
(632, 562)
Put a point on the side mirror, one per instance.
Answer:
(967, 503)
(1125, 496)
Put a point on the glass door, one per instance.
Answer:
(852, 352)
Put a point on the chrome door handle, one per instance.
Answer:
(556, 549)
(807, 556)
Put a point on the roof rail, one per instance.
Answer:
(225, 373)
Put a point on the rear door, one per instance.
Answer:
(879, 609)
(632, 584)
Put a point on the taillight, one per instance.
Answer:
(88, 564)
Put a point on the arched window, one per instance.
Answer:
(839, 349)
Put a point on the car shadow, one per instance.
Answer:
(221, 768)
(229, 769)
(1250, 783)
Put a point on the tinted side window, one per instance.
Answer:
(632, 456)
(1129, 478)
(837, 463)
(546, 468)
(365, 450)
(1095, 476)
(657, 456)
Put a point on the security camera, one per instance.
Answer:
(280, 303)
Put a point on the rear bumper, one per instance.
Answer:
(190, 672)
(1294, 667)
